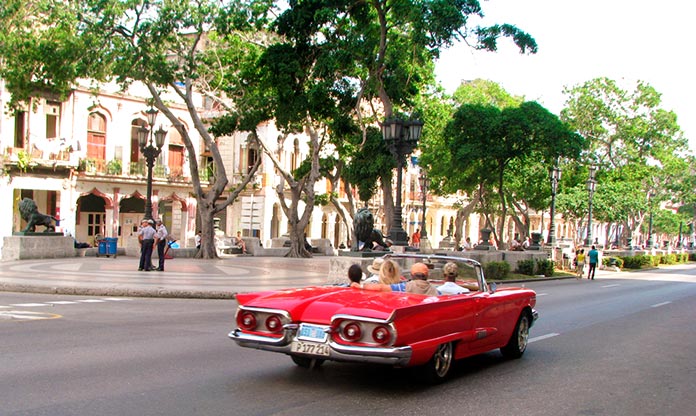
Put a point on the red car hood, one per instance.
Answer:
(318, 304)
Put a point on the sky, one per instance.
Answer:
(624, 40)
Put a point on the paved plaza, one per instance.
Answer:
(109, 276)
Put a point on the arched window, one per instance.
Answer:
(96, 136)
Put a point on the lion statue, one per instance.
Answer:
(366, 233)
(30, 213)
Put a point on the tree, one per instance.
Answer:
(483, 143)
(636, 144)
(155, 42)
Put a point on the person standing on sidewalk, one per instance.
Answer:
(161, 241)
(580, 263)
(593, 256)
(147, 240)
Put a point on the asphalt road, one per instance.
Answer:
(606, 347)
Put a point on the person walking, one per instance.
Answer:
(593, 256)
(580, 263)
(161, 241)
(147, 240)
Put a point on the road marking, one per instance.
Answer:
(63, 302)
(542, 337)
(542, 294)
(657, 305)
(28, 305)
(614, 285)
(27, 315)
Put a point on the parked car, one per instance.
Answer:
(319, 323)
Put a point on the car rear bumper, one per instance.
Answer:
(395, 356)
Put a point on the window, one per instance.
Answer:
(20, 129)
(95, 224)
(96, 137)
(52, 109)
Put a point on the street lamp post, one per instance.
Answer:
(555, 177)
(424, 181)
(401, 138)
(150, 149)
(590, 190)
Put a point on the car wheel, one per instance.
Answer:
(439, 365)
(306, 362)
(519, 339)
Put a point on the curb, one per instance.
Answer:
(141, 293)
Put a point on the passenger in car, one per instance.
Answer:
(389, 273)
(450, 287)
(419, 284)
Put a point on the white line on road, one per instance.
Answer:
(542, 294)
(657, 305)
(614, 285)
(61, 302)
(542, 337)
(28, 305)
(91, 301)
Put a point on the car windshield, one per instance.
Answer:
(469, 272)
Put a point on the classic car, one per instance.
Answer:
(343, 323)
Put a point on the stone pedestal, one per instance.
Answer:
(37, 246)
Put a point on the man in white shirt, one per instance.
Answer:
(450, 287)
(161, 242)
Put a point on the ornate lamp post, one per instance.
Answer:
(150, 149)
(590, 190)
(555, 177)
(424, 182)
(401, 138)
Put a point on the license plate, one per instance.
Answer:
(310, 348)
(311, 333)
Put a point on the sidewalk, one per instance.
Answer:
(182, 278)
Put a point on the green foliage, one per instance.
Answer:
(23, 160)
(114, 167)
(613, 261)
(545, 267)
(496, 270)
(636, 262)
(526, 267)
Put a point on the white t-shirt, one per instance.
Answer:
(451, 288)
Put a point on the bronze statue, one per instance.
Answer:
(30, 213)
(366, 233)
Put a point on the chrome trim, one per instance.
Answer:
(281, 312)
(535, 316)
(395, 356)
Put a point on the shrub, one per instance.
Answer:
(496, 270)
(526, 267)
(545, 267)
(669, 259)
(637, 262)
(613, 261)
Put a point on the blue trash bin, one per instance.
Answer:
(101, 245)
(111, 246)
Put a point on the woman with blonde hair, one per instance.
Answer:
(389, 272)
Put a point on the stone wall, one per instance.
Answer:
(37, 247)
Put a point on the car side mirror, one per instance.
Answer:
(492, 287)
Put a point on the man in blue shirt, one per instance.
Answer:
(147, 241)
(593, 257)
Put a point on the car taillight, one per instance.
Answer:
(381, 335)
(274, 324)
(247, 321)
(352, 332)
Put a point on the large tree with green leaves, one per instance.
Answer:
(48, 45)
(634, 142)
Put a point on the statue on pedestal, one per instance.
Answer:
(30, 213)
(365, 233)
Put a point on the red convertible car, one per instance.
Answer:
(344, 323)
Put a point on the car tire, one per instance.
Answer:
(306, 362)
(517, 344)
(437, 369)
